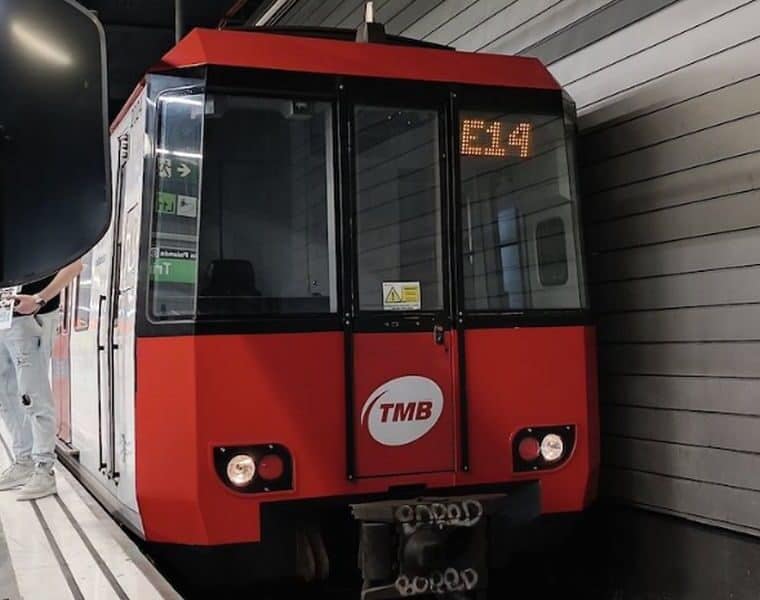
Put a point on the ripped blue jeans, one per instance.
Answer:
(26, 399)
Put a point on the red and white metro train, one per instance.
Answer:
(343, 278)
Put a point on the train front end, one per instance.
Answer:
(363, 296)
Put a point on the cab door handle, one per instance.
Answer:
(438, 334)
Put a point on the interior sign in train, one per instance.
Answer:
(495, 138)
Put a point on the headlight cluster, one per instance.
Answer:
(259, 468)
(536, 448)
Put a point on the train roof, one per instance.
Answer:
(333, 53)
(320, 55)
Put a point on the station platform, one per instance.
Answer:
(67, 547)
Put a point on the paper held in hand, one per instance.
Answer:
(6, 306)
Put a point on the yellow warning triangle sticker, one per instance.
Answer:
(393, 296)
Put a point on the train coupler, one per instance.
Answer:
(438, 545)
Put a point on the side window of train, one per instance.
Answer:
(63, 311)
(174, 231)
(83, 295)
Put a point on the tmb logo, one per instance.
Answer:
(402, 410)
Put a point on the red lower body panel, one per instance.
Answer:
(197, 393)
(403, 427)
(518, 378)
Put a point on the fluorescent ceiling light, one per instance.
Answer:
(36, 42)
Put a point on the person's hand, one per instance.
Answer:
(25, 304)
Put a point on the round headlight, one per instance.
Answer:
(241, 469)
(552, 447)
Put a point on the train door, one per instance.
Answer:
(108, 325)
(60, 367)
(400, 355)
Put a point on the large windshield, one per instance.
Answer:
(519, 213)
(244, 219)
(266, 245)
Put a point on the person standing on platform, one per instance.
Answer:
(26, 397)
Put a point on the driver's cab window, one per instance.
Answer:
(267, 240)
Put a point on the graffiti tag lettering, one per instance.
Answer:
(466, 513)
(439, 582)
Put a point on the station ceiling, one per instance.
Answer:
(139, 32)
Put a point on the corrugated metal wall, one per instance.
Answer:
(669, 97)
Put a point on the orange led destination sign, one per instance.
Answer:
(487, 138)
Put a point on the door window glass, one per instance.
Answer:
(398, 209)
(83, 295)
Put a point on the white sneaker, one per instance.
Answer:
(16, 475)
(40, 485)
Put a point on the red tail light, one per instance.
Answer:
(271, 467)
(529, 449)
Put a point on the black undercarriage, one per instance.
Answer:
(414, 546)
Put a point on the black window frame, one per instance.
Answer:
(254, 83)
(150, 200)
(538, 101)
(414, 96)
(344, 93)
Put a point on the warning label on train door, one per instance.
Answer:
(402, 295)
